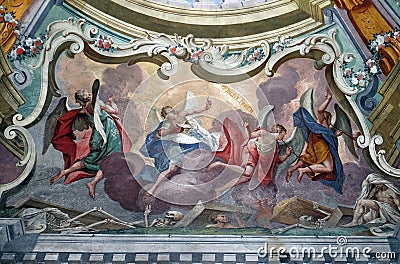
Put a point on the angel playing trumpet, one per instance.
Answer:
(320, 158)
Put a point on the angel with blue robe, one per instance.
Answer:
(178, 134)
(320, 158)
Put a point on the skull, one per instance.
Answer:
(173, 215)
(306, 220)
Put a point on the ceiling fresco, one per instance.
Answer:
(119, 121)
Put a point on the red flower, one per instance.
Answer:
(107, 45)
(20, 50)
(99, 43)
(196, 55)
(173, 50)
(34, 49)
(38, 42)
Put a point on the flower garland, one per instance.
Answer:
(104, 43)
(24, 46)
(361, 78)
(9, 18)
(281, 43)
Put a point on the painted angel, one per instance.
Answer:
(176, 135)
(320, 158)
(85, 136)
(262, 155)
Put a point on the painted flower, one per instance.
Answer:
(107, 44)
(254, 56)
(396, 35)
(38, 42)
(361, 75)
(8, 17)
(29, 42)
(387, 38)
(34, 50)
(172, 50)
(370, 63)
(180, 51)
(20, 50)
(380, 39)
(380, 42)
(2, 10)
(196, 55)
(13, 54)
(373, 69)
(354, 81)
(177, 50)
(347, 72)
(99, 43)
(361, 83)
(16, 33)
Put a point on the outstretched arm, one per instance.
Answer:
(196, 111)
(324, 106)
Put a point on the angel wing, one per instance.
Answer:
(342, 121)
(264, 114)
(51, 122)
(307, 101)
(96, 106)
(153, 118)
(296, 141)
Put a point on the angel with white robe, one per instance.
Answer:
(94, 121)
(178, 134)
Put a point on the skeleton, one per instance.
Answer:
(39, 220)
(66, 226)
(170, 218)
(307, 221)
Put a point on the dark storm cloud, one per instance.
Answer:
(279, 90)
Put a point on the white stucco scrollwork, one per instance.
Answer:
(28, 160)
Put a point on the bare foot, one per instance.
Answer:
(91, 188)
(301, 174)
(215, 165)
(288, 175)
(57, 177)
(351, 224)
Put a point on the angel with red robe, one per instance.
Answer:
(85, 136)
